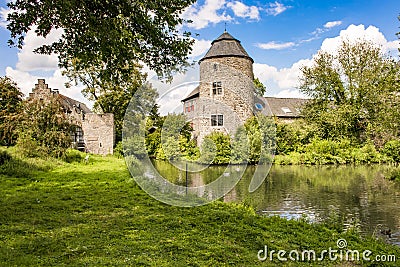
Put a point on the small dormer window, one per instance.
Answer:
(286, 110)
(217, 88)
(259, 106)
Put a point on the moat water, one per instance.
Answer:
(360, 196)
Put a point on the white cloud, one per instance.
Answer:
(285, 78)
(243, 11)
(332, 24)
(275, 46)
(276, 8)
(171, 94)
(206, 14)
(315, 35)
(283, 82)
(30, 61)
(170, 101)
(327, 27)
(359, 32)
(200, 47)
(3, 16)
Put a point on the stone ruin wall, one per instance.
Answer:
(98, 129)
(99, 133)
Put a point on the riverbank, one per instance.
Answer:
(78, 213)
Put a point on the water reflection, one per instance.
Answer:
(359, 194)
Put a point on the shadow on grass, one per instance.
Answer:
(23, 168)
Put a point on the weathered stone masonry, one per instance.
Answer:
(226, 90)
(228, 64)
(95, 132)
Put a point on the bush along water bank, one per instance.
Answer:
(320, 152)
(259, 139)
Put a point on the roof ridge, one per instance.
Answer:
(226, 46)
(285, 97)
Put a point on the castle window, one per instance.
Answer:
(217, 120)
(217, 88)
(220, 120)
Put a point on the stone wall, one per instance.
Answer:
(41, 90)
(99, 133)
(98, 129)
(241, 65)
(236, 101)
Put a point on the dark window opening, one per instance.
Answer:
(217, 120)
(217, 88)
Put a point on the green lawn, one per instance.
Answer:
(77, 214)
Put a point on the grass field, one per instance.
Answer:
(55, 213)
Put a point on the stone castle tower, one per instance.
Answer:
(225, 97)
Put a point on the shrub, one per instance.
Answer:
(216, 149)
(394, 174)
(4, 157)
(44, 128)
(392, 150)
(73, 155)
(27, 146)
(287, 139)
(189, 149)
(369, 154)
(240, 146)
(118, 150)
(323, 147)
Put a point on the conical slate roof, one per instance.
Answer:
(226, 46)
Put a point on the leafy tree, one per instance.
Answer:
(259, 87)
(240, 146)
(106, 38)
(10, 105)
(293, 136)
(261, 131)
(216, 149)
(44, 128)
(354, 92)
(116, 99)
(169, 137)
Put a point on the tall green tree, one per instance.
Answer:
(354, 91)
(168, 137)
(110, 37)
(115, 99)
(10, 106)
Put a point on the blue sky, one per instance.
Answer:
(279, 35)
